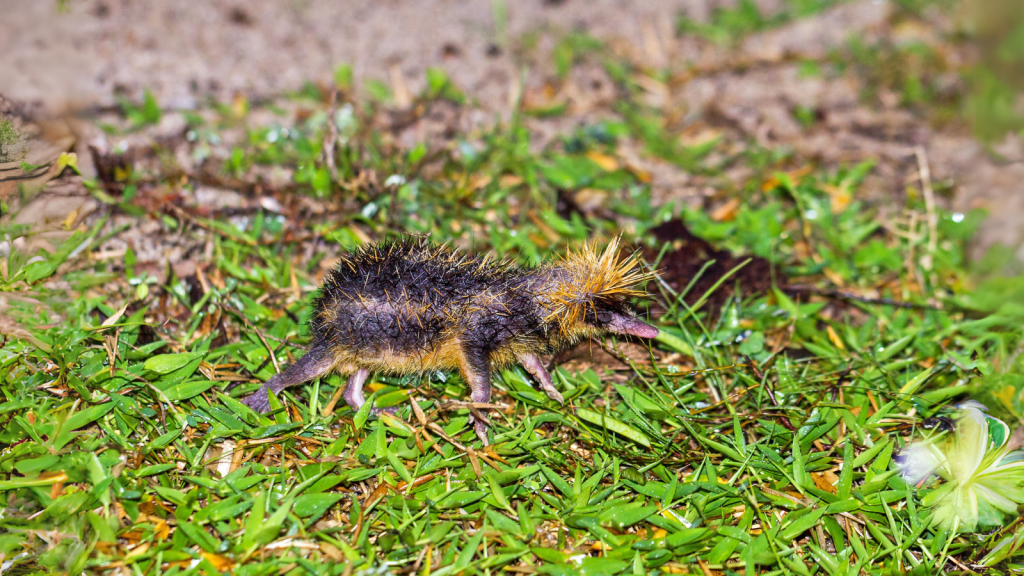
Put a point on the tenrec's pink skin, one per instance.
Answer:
(622, 324)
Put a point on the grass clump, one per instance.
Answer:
(9, 139)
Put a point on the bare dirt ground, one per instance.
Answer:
(499, 53)
(184, 53)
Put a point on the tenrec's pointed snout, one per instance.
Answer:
(622, 324)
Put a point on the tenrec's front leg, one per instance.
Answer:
(354, 393)
(535, 367)
(354, 390)
(317, 362)
(475, 366)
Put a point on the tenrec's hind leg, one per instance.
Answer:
(475, 366)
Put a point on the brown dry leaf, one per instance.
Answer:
(657, 91)
(801, 250)
(223, 466)
(825, 481)
(699, 137)
(296, 291)
(654, 46)
(726, 212)
(590, 199)
(138, 550)
(116, 316)
(509, 180)
(495, 456)
(110, 345)
(331, 552)
(833, 277)
(912, 30)
(70, 220)
(239, 105)
(219, 562)
(644, 176)
(605, 161)
(217, 279)
(839, 197)
(403, 97)
(474, 462)
(207, 325)
(834, 338)
(478, 181)
(162, 530)
(203, 282)
(545, 97)
(378, 493)
(109, 548)
(57, 477)
(794, 175)
(550, 236)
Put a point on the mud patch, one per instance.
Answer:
(689, 255)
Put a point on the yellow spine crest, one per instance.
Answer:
(592, 277)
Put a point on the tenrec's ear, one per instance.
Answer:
(623, 324)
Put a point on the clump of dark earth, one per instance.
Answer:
(689, 254)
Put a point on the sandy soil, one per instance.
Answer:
(185, 52)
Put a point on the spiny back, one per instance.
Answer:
(412, 268)
(402, 293)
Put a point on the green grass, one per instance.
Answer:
(8, 138)
(758, 437)
(728, 25)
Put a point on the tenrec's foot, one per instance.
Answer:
(480, 427)
(554, 394)
(536, 368)
(259, 401)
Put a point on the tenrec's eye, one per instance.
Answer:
(604, 318)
